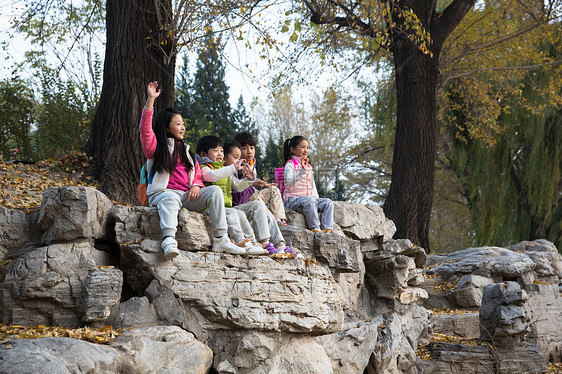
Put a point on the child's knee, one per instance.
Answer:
(309, 203)
(215, 192)
(256, 205)
(274, 190)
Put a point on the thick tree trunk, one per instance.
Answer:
(130, 63)
(410, 196)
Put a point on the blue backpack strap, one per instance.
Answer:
(145, 176)
(151, 175)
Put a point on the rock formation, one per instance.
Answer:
(360, 301)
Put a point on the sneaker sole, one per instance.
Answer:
(232, 252)
(171, 254)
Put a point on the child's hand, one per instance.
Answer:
(248, 172)
(152, 90)
(239, 165)
(304, 161)
(193, 193)
(261, 184)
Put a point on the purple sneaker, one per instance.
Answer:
(271, 249)
(294, 252)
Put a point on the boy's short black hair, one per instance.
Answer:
(245, 138)
(228, 147)
(208, 142)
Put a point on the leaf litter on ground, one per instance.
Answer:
(22, 184)
(102, 335)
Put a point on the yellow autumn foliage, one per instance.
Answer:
(102, 335)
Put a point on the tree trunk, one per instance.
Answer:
(131, 61)
(410, 196)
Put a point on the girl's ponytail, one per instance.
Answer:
(287, 150)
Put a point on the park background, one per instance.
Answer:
(316, 68)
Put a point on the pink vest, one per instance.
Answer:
(304, 187)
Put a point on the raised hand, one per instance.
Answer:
(153, 93)
(153, 90)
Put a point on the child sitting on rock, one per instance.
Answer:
(300, 192)
(269, 193)
(175, 178)
(211, 152)
(232, 154)
(210, 156)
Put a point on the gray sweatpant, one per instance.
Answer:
(238, 226)
(169, 202)
(310, 207)
(263, 222)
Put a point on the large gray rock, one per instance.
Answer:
(221, 290)
(162, 349)
(491, 262)
(134, 224)
(350, 349)
(339, 253)
(544, 305)
(262, 352)
(69, 213)
(465, 325)
(503, 314)
(300, 238)
(57, 356)
(14, 230)
(398, 337)
(449, 358)
(468, 291)
(388, 275)
(363, 222)
(100, 291)
(544, 254)
(60, 284)
(135, 312)
(156, 349)
(166, 305)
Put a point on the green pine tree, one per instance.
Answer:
(182, 101)
(209, 109)
(242, 121)
(272, 157)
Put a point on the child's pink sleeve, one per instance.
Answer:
(148, 139)
(197, 179)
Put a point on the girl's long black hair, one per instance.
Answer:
(293, 142)
(163, 161)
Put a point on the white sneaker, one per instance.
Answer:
(170, 248)
(255, 249)
(225, 245)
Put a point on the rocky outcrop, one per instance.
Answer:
(70, 213)
(61, 284)
(256, 313)
(516, 291)
(147, 350)
(356, 304)
(15, 230)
